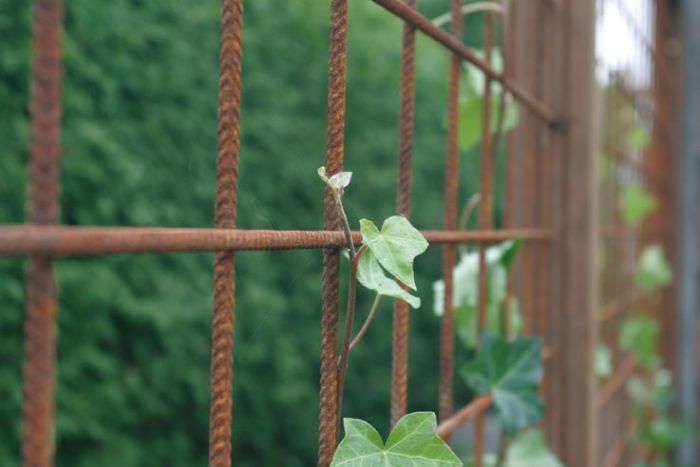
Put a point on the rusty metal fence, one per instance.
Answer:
(639, 89)
(551, 194)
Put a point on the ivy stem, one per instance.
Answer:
(349, 318)
(337, 194)
(469, 9)
(465, 215)
(365, 326)
(503, 448)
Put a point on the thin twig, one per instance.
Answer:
(464, 218)
(365, 326)
(477, 7)
(345, 224)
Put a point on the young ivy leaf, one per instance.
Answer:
(529, 449)
(603, 361)
(636, 203)
(413, 442)
(371, 275)
(638, 137)
(653, 271)
(639, 335)
(336, 182)
(465, 276)
(395, 246)
(511, 371)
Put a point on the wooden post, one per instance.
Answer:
(575, 245)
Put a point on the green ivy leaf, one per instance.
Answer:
(337, 181)
(465, 275)
(395, 246)
(529, 449)
(371, 275)
(511, 371)
(413, 442)
(470, 119)
(638, 137)
(636, 203)
(653, 271)
(639, 336)
(603, 362)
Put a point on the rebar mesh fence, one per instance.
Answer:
(638, 152)
(548, 186)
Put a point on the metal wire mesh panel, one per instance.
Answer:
(546, 49)
(637, 154)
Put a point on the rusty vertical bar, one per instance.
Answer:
(576, 246)
(328, 415)
(450, 221)
(553, 388)
(221, 405)
(485, 217)
(38, 379)
(399, 354)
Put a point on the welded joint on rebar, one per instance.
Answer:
(559, 124)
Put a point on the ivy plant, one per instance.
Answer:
(653, 271)
(511, 371)
(603, 361)
(412, 442)
(658, 429)
(636, 203)
(465, 296)
(527, 449)
(384, 265)
(638, 137)
(471, 104)
(638, 335)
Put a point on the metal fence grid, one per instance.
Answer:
(549, 70)
(640, 86)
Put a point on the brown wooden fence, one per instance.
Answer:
(554, 199)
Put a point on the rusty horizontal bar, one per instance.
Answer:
(617, 305)
(22, 240)
(616, 381)
(623, 232)
(424, 24)
(469, 411)
(613, 457)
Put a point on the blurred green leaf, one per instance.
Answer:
(636, 203)
(529, 449)
(511, 371)
(638, 137)
(653, 271)
(499, 258)
(603, 361)
(639, 335)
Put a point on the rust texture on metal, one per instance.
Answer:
(456, 45)
(476, 407)
(399, 353)
(221, 405)
(447, 331)
(485, 218)
(41, 306)
(86, 241)
(328, 415)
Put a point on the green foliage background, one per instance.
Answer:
(139, 149)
